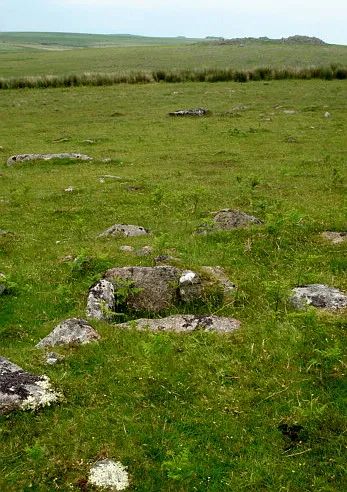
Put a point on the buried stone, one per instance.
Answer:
(335, 237)
(318, 295)
(20, 390)
(47, 157)
(70, 331)
(185, 324)
(228, 219)
(190, 112)
(153, 289)
(127, 230)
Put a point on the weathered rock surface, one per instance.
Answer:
(101, 300)
(46, 157)
(2, 283)
(109, 475)
(335, 237)
(127, 230)
(190, 112)
(318, 295)
(70, 331)
(151, 289)
(186, 323)
(20, 390)
(231, 219)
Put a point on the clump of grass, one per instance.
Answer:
(175, 76)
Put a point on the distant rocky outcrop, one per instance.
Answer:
(190, 112)
(296, 39)
(20, 390)
(46, 157)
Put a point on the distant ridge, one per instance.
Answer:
(297, 39)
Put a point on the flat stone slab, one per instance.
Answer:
(185, 324)
(46, 157)
(318, 295)
(190, 112)
(335, 237)
(151, 289)
(20, 390)
(127, 230)
(70, 331)
(109, 475)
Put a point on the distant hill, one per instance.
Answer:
(59, 41)
(297, 39)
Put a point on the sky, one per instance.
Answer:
(191, 18)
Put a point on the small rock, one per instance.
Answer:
(318, 295)
(126, 249)
(327, 114)
(89, 141)
(190, 112)
(70, 331)
(163, 259)
(101, 300)
(67, 258)
(46, 157)
(289, 111)
(124, 230)
(227, 219)
(185, 324)
(106, 159)
(335, 237)
(70, 189)
(2, 283)
(108, 474)
(110, 176)
(53, 358)
(20, 390)
(3, 232)
(144, 251)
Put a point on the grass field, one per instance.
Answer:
(198, 412)
(24, 62)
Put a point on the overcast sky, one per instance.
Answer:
(191, 18)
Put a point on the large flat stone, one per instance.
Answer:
(20, 390)
(70, 331)
(318, 295)
(46, 157)
(185, 323)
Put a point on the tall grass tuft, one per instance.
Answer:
(174, 76)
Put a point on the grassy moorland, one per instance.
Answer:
(199, 412)
(21, 62)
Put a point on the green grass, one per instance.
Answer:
(201, 411)
(183, 56)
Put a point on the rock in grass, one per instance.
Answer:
(127, 230)
(101, 300)
(46, 157)
(227, 219)
(70, 331)
(151, 289)
(335, 237)
(2, 283)
(20, 390)
(318, 295)
(53, 358)
(190, 112)
(186, 324)
(109, 475)
(220, 276)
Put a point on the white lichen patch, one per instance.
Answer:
(41, 395)
(109, 474)
(187, 277)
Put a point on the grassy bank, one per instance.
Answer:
(184, 413)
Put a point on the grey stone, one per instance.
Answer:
(190, 286)
(46, 157)
(327, 114)
(53, 358)
(190, 112)
(101, 300)
(126, 249)
(109, 475)
(289, 111)
(318, 295)
(149, 288)
(144, 251)
(2, 283)
(185, 324)
(164, 259)
(20, 390)
(70, 331)
(335, 237)
(227, 219)
(127, 230)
